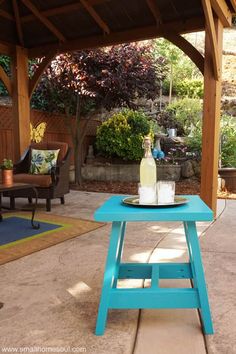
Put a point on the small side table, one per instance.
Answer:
(115, 211)
(20, 186)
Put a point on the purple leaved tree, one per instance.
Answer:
(82, 82)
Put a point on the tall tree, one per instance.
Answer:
(82, 82)
(180, 66)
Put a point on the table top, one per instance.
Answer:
(15, 186)
(114, 210)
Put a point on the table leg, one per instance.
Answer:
(188, 244)
(113, 257)
(119, 254)
(198, 275)
(189, 251)
(34, 206)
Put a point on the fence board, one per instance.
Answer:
(6, 144)
(55, 131)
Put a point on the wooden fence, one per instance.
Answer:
(55, 130)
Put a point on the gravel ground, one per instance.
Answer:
(188, 186)
(182, 187)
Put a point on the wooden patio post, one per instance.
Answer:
(211, 118)
(20, 101)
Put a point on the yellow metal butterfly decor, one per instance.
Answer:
(37, 132)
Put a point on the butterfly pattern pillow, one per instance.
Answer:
(42, 161)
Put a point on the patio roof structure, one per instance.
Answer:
(37, 28)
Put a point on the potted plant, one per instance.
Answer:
(227, 179)
(227, 170)
(7, 172)
(167, 171)
(172, 166)
(169, 168)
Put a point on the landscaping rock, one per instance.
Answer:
(197, 168)
(187, 169)
(168, 172)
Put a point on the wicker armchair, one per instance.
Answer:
(50, 186)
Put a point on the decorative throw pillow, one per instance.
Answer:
(42, 161)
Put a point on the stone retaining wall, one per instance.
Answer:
(122, 173)
(130, 173)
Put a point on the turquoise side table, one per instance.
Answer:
(154, 297)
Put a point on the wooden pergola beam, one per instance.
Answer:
(44, 20)
(154, 10)
(222, 11)
(6, 15)
(37, 75)
(20, 101)
(113, 38)
(62, 9)
(18, 23)
(212, 36)
(6, 48)
(233, 3)
(6, 80)
(188, 49)
(211, 122)
(95, 16)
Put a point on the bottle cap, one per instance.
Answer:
(147, 142)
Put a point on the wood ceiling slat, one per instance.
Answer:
(95, 16)
(5, 14)
(62, 9)
(44, 20)
(18, 23)
(108, 15)
(174, 8)
(154, 10)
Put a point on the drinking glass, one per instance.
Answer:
(147, 194)
(165, 192)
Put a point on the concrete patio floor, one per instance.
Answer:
(51, 297)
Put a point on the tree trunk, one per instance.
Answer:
(77, 138)
(76, 154)
(77, 150)
(78, 165)
(171, 82)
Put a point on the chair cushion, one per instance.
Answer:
(38, 180)
(42, 161)
(53, 145)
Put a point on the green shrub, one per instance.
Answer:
(228, 155)
(187, 112)
(154, 128)
(122, 135)
(228, 141)
(194, 142)
(191, 88)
